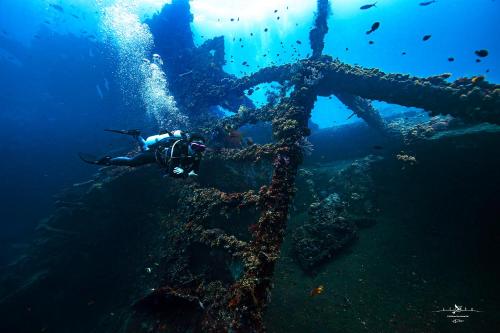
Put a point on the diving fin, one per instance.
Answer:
(94, 160)
(133, 132)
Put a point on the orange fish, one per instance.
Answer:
(317, 291)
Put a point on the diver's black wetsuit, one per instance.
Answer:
(168, 157)
(178, 156)
(143, 158)
(178, 153)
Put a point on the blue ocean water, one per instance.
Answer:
(63, 72)
(71, 68)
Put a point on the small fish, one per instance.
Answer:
(371, 42)
(375, 26)
(403, 53)
(266, 29)
(451, 59)
(481, 53)
(317, 291)
(368, 6)
(299, 42)
(275, 10)
(478, 60)
(427, 3)
(57, 7)
(377, 147)
(426, 37)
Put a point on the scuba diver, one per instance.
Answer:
(177, 152)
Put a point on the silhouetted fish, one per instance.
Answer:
(371, 42)
(481, 53)
(57, 7)
(375, 26)
(427, 3)
(368, 6)
(426, 37)
(451, 59)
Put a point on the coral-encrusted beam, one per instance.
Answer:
(250, 294)
(473, 100)
(364, 109)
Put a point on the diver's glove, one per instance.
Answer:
(192, 174)
(178, 171)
